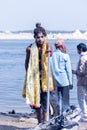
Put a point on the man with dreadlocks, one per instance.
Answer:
(36, 64)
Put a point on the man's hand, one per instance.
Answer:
(49, 51)
(70, 86)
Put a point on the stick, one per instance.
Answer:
(48, 86)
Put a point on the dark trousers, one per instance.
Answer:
(59, 99)
(63, 95)
(54, 103)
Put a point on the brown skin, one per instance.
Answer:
(39, 39)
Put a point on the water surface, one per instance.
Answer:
(12, 71)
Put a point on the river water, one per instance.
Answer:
(12, 71)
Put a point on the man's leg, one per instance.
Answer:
(65, 97)
(82, 99)
(39, 115)
(54, 101)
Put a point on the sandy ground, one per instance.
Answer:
(17, 121)
(21, 122)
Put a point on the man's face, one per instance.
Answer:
(40, 38)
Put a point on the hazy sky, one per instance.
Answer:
(53, 14)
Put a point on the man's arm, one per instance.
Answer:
(27, 57)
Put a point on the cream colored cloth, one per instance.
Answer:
(33, 81)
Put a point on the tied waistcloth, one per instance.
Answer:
(32, 79)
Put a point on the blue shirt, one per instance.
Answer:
(61, 68)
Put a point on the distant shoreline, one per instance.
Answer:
(29, 36)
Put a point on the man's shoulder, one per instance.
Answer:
(28, 48)
(65, 55)
(83, 59)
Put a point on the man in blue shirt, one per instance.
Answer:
(62, 74)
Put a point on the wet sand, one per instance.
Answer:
(24, 122)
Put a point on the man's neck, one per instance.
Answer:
(39, 45)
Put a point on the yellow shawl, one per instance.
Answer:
(32, 79)
(45, 70)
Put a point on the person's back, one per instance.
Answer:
(61, 68)
(62, 73)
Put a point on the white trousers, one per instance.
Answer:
(82, 99)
